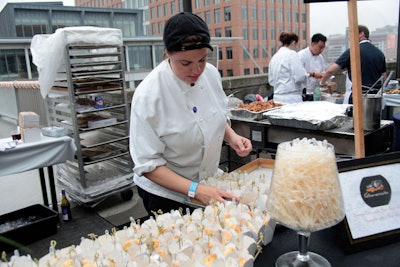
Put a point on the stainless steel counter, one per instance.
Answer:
(266, 136)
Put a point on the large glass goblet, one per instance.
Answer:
(305, 195)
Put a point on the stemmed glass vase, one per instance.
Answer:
(305, 195)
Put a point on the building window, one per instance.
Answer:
(246, 71)
(153, 13)
(207, 17)
(61, 19)
(229, 53)
(229, 72)
(289, 16)
(280, 15)
(264, 52)
(166, 13)
(126, 24)
(263, 14)
(159, 11)
(265, 69)
(13, 64)
(227, 13)
(27, 25)
(255, 32)
(160, 27)
(140, 57)
(173, 7)
(296, 17)
(217, 16)
(245, 33)
(228, 32)
(272, 14)
(303, 17)
(256, 71)
(273, 34)
(197, 3)
(244, 12)
(206, 2)
(218, 32)
(246, 52)
(217, 1)
(304, 34)
(253, 13)
(264, 33)
(255, 52)
(220, 54)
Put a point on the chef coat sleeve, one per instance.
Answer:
(145, 146)
(298, 71)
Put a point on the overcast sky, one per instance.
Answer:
(332, 18)
(329, 18)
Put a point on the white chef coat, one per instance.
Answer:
(312, 64)
(287, 75)
(177, 125)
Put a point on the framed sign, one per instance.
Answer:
(371, 194)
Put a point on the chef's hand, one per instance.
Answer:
(205, 194)
(241, 145)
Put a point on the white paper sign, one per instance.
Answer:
(372, 199)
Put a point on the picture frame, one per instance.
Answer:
(359, 224)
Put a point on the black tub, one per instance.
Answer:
(26, 226)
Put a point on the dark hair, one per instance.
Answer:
(288, 37)
(364, 29)
(318, 37)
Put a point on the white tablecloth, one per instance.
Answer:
(391, 100)
(28, 156)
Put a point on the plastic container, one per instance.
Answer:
(26, 226)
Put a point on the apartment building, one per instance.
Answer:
(253, 26)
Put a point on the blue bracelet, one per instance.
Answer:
(192, 189)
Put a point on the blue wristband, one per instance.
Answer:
(192, 189)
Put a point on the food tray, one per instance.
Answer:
(26, 226)
(100, 152)
(250, 115)
(315, 115)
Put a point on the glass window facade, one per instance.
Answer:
(140, 57)
(28, 23)
(13, 64)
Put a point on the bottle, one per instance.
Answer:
(65, 207)
(317, 93)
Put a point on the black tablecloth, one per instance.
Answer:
(330, 243)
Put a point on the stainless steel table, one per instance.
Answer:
(265, 135)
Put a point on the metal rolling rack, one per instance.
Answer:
(89, 100)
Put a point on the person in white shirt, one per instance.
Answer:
(286, 72)
(179, 120)
(314, 63)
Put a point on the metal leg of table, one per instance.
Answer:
(43, 185)
(52, 188)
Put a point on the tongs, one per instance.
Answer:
(383, 84)
(372, 86)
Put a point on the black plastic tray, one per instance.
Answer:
(27, 225)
